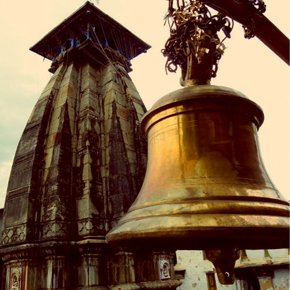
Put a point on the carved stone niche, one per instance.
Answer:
(155, 270)
(16, 277)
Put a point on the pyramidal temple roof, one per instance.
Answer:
(89, 22)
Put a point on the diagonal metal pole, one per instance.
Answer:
(264, 29)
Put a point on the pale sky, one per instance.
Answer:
(247, 65)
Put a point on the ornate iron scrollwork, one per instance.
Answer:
(194, 44)
(258, 5)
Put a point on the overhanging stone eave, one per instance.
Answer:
(88, 13)
(51, 244)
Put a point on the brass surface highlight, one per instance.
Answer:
(205, 186)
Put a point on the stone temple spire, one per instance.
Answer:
(79, 163)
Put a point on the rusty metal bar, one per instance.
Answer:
(265, 30)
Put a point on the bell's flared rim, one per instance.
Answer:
(203, 232)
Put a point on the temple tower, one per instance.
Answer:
(79, 164)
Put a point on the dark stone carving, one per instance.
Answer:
(14, 235)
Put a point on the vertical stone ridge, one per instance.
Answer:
(57, 201)
(22, 199)
(89, 193)
(120, 180)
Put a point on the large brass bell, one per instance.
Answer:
(205, 186)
